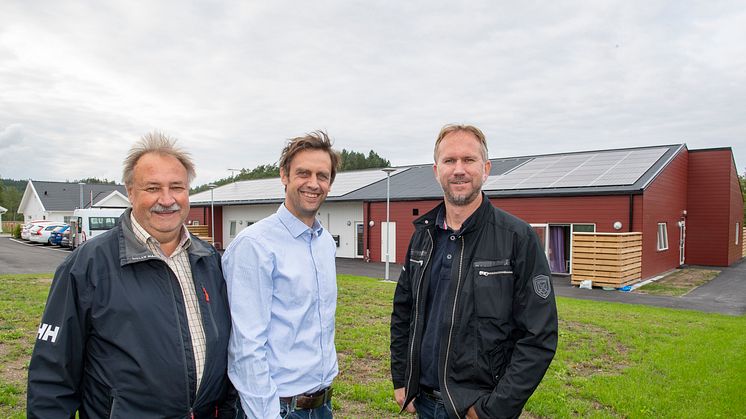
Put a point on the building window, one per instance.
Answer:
(583, 228)
(662, 236)
(102, 223)
(415, 211)
(232, 231)
(738, 231)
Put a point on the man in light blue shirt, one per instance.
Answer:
(282, 291)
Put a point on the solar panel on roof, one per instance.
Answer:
(600, 168)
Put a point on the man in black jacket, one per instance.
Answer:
(474, 322)
(137, 322)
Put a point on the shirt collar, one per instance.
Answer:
(295, 226)
(440, 220)
(144, 237)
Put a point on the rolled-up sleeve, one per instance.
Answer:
(247, 267)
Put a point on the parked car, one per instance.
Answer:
(43, 232)
(25, 230)
(56, 237)
(65, 241)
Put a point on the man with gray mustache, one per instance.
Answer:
(137, 321)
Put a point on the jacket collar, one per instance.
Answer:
(132, 250)
(430, 219)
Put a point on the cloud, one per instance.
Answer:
(233, 81)
(11, 136)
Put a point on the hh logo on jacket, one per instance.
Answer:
(48, 333)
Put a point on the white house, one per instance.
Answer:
(56, 201)
(2, 211)
(243, 203)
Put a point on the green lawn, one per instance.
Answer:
(614, 360)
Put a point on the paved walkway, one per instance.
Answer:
(726, 294)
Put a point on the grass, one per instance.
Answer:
(613, 360)
(22, 299)
(679, 282)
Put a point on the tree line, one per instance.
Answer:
(349, 160)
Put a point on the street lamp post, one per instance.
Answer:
(212, 211)
(388, 171)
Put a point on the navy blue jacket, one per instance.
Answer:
(114, 340)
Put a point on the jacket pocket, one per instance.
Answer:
(208, 306)
(493, 287)
(112, 411)
(498, 363)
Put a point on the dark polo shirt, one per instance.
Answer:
(439, 276)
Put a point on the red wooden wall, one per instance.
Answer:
(600, 210)
(711, 208)
(202, 214)
(664, 201)
(735, 251)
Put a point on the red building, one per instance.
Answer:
(686, 203)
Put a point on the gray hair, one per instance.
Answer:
(156, 142)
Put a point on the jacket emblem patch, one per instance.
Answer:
(48, 332)
(542, 286)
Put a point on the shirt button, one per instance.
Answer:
(448, 256)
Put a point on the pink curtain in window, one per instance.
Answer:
(557, 249)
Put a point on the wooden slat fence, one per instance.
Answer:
(201, 231)
(607, 259)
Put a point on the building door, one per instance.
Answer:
(682, 241)
(391, 241)
(359, 243)
(541, 231)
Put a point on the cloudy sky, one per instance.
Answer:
(80, 81)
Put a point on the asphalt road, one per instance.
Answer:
(725, 294)
(22, 257)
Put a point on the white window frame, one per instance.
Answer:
(662, 242)
(738, 231)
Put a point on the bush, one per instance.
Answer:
(17, 231)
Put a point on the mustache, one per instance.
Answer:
(161, 208)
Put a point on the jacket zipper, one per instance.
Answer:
(485, 273)
(416, 315)
(172, 279)
(450, 330)
(417, 261)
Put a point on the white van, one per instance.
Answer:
(90, 222)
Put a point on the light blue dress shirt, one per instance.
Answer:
(282, 289)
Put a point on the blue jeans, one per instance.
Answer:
(322, 412)
(428, 408)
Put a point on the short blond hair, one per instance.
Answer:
(451, 128)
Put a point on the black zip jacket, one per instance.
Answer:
(114, 340)
(499, 328)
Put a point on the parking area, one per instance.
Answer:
(23, 257)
